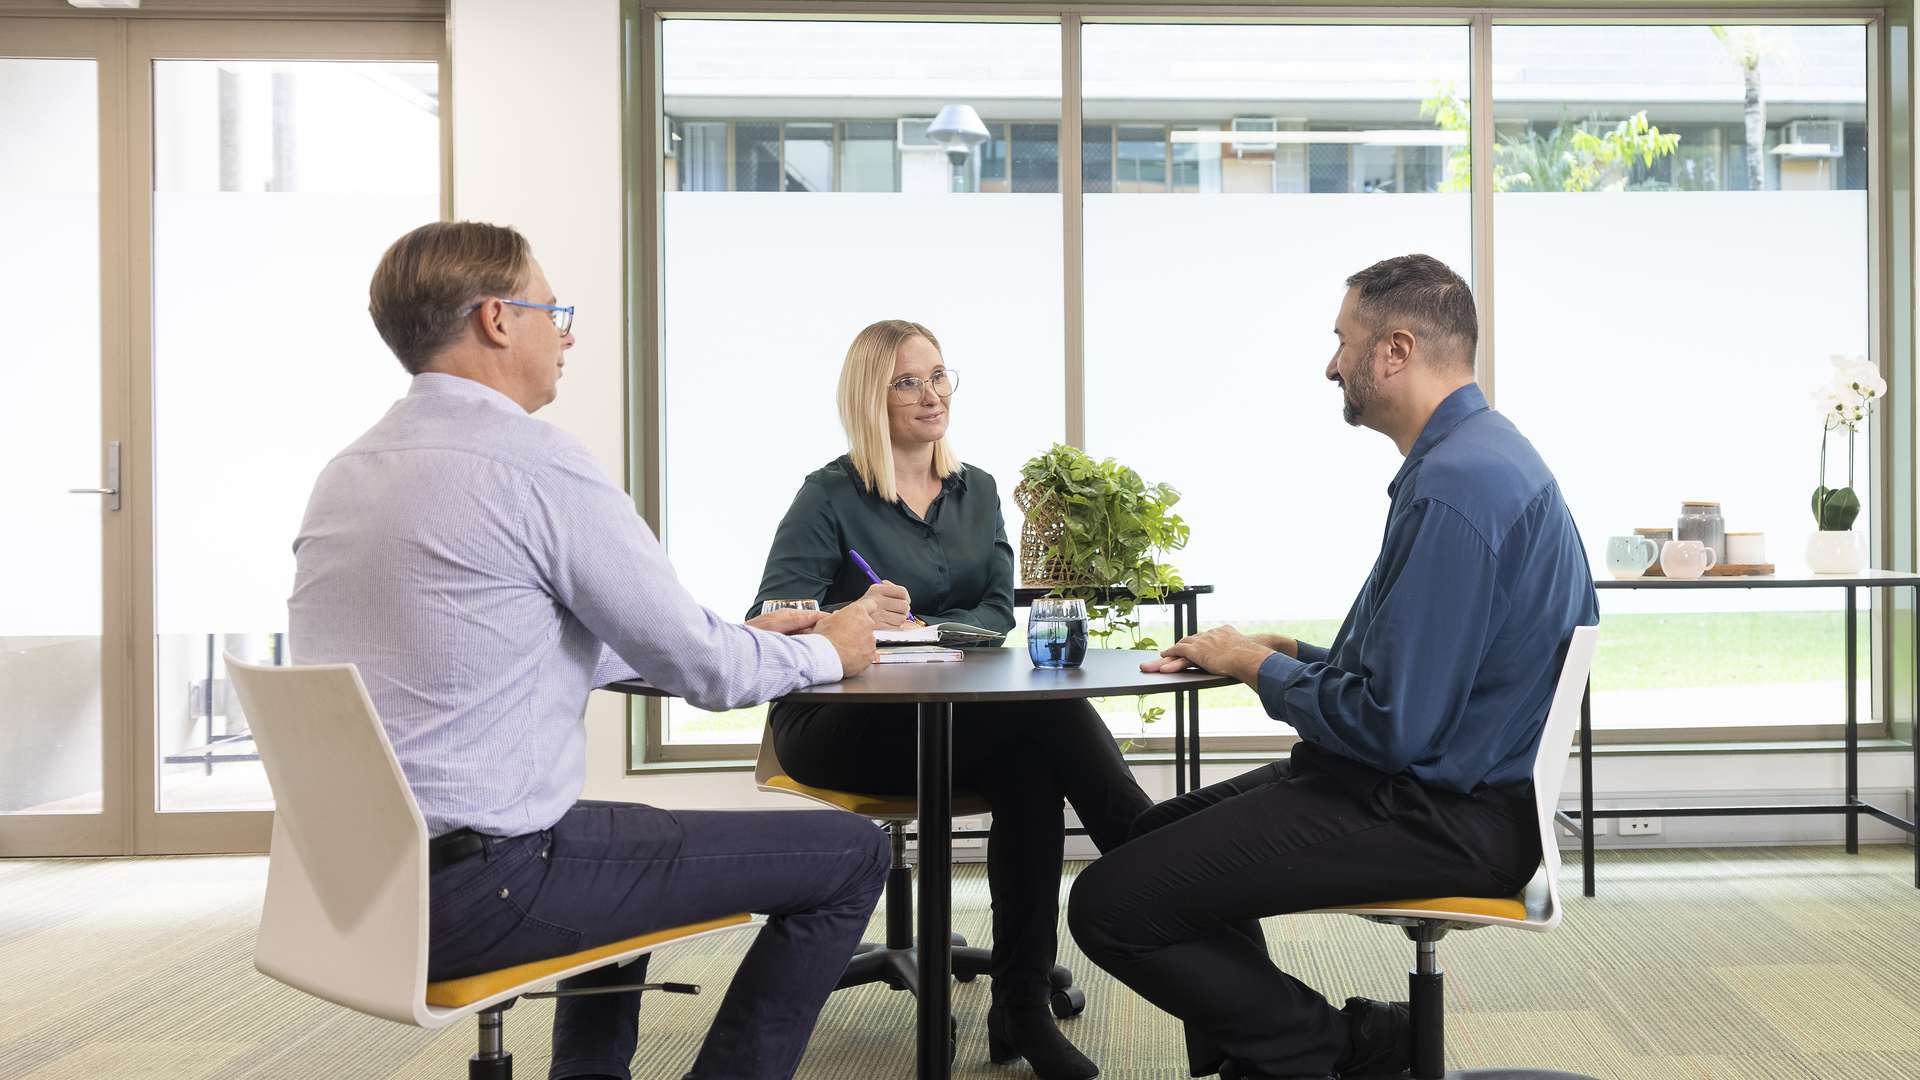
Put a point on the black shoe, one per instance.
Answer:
(1029, 1032)
(1379, 1038)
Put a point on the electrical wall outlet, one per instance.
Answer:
(960, 843)
(1640, 826)
(1600, 826)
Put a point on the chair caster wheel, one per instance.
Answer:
(1071, 1001)
(965, 976)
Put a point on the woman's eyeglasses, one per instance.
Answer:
(906, 389)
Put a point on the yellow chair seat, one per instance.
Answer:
(457, 993)
(1486, 907)
(893, 807)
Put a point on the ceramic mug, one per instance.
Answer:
(1746, 548)
(1629, 556)
(1685, 559)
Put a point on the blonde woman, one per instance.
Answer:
(932, 525)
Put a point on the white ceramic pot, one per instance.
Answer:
(1836, 552)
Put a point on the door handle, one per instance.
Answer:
(112, 490)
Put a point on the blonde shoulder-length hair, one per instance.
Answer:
(864, 379)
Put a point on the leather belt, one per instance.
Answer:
(454, 847)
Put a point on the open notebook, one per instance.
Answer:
(946, 633)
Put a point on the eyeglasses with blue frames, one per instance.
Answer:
(562, 316)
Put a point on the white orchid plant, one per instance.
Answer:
(1845, 400)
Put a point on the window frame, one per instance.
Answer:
(1890, 75)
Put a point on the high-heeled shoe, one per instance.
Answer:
(1029, 1032)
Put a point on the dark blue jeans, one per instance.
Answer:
(609, 871)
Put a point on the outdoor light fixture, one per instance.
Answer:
(957, 130)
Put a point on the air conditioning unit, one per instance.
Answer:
(1255, 124)
(1813, 139)
(910, 134)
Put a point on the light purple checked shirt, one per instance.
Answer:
(472, 560)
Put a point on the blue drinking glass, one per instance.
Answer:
(1057, 632)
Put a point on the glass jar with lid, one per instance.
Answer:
(1702, 521)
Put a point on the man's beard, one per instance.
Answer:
(1358, 393)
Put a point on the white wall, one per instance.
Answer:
(536, 145)
(569, 203)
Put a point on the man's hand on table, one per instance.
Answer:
(1279, 643)
(786, 621)
(1222, 651)
(851, 631)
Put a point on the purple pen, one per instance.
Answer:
(871, 576)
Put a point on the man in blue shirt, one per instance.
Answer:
(1418, 724)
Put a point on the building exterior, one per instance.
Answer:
(1276, 109)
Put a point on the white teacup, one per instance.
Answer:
(1685, 559)
(1746, 548)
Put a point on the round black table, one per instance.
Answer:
(986, 675)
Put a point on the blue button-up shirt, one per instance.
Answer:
(1447, 662)
(485, 576)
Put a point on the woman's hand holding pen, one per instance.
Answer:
(888, 603)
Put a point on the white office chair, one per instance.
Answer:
(1537, 908)
(345, 917)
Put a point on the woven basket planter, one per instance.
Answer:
(1046, 522)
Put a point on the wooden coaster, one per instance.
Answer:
(1738, 570)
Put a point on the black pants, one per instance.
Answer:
(1172, 913)
(1023, 758)
(609, 871)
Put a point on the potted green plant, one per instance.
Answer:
(1093, 526)
(1845, 401)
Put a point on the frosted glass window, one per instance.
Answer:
(278, 185)
(1677, 295)
(1221, 309)
(50, 613)
(766, 291)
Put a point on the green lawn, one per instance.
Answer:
(1637, 652)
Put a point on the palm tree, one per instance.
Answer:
(1746, 46)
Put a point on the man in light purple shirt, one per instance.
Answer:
(485, 576)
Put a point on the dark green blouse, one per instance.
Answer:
(956, 564)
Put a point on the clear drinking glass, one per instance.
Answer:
(767, 606)
(1057, 632)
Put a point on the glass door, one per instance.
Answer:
(283, 159)
(191, 212)
(63, 636)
